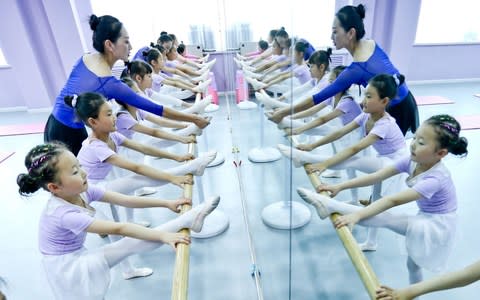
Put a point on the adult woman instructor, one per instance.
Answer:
(93, 73)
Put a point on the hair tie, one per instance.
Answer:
(74, 100)
(397, 81)
(450, 128)
(38, 162)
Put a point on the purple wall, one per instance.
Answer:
(40, 51)
(224, 70)
(22, 84)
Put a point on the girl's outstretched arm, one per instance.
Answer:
(332, 137)
(160, 121)
(147, 171)
(138, 232)
(343, 155)
(317, 122)
(309, 112)
(365, 180)
(153, 151)
(447, 281)
(377, 207)
(143, 202)
(158, 133)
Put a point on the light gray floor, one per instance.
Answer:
(306, 263)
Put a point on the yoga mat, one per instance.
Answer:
(18, 129)
(5, 155)
(431, 100)
(469, 122)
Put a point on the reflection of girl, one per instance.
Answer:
(319, 63)
(299, 70)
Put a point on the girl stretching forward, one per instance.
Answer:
(429, 234)
(299, 70)
(155, 58)
(99, 151)
(343, 106)
(381, 132)
(73, 271)
(319, 63)
(141, 73)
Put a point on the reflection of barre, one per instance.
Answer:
(182, 258)
(360, 262)
(263, 154)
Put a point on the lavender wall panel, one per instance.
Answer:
(25, 85)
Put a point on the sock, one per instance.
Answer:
(195, 167)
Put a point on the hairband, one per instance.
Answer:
(449, 128)
(74, 100)
(38, 161)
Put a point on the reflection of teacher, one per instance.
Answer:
(93, 73)
(368, 60)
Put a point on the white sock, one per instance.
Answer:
(205, 210)
(199, 106)
(257, 85)
(196, 166)
(298, 157)
(166, 99)
(289, 122)
(414, 271)
(191, 129)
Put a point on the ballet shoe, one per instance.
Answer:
(365, 202)
(251, 74)
(145, 191)
(331, 174)
(137, 272)
(290, 153)
(237, 62)
(199, 106)
(207, 208)
(141, 223)
(257, 85)
(316, 200)
(267, 100)
(366, 246)
(207, 159)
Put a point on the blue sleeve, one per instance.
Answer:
(114, 88)
(349, 76)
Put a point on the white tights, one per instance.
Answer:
(395, 222)
(117, 251)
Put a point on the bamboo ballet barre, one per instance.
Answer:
(182, 258)
(360, 262)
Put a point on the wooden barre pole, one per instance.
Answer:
(360, 262)
(182, 258)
